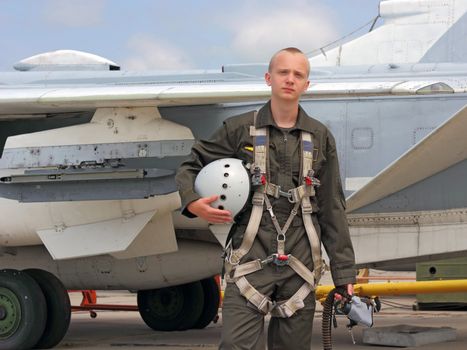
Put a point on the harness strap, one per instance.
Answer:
(261, 147)
(295, 302)
(307, 153)
(262, 302)
(251, 229)
(245, 269)
(294, 195)
(281, 231)
(302, 270)
(256, 265)
(307, 209)
(313, 238)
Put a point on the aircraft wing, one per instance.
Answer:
(19, 100)
(29, 100)
(442, 148)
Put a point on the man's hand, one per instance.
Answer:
(203, 209)
(343, 290)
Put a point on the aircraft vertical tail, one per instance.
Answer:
(425, 31)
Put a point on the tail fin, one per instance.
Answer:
(413, 31)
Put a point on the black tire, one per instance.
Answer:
(212, 297)
(58, 308)
(172, 308)
(23, 311)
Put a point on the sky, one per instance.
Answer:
(176, 34)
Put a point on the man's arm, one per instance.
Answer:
(204, 152)
(332, 219)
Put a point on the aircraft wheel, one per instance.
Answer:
(211, 302)
(23, 311)
(172, 308)
(58, 308)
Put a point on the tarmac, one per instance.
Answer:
(126, 330)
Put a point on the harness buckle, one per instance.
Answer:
(281, 259)
(230, 257)
(310, 180)
(257, 177)
(288, 195)
(281, 237)
(277, 259)
(268, 260)
(271, 212)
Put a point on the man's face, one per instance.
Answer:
(288, 77)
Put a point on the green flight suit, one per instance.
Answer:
(242, 322)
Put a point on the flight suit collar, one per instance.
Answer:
(264, 119)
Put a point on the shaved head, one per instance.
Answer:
(292, 50)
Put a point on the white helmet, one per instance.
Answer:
(228, 179)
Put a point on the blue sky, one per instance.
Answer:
(175, 34)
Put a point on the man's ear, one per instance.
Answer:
(267, 78)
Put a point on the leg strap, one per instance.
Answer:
(302, 271)
(290, 306)
(262, 302)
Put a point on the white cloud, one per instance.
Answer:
(74, 13)
(303, 24)
(149, 53)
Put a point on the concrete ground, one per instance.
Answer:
(126, 330)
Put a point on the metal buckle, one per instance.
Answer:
(287, 194)
(268, 260)
(228, 257)
(271, 213)
(290, 195)
(281, 259)
(277, 259)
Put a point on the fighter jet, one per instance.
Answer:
(89, 153)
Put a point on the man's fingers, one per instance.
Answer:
(219, 212)
(218, 216)
(215, 219)
(203, 209)
(345, 289)
(222, 213)
(219, 221)
(211, 199)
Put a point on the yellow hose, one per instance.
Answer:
(401, 288)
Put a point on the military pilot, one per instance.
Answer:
(273, 259)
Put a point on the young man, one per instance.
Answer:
(268, 276)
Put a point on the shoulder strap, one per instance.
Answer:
(260, 147)
(307, 154)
